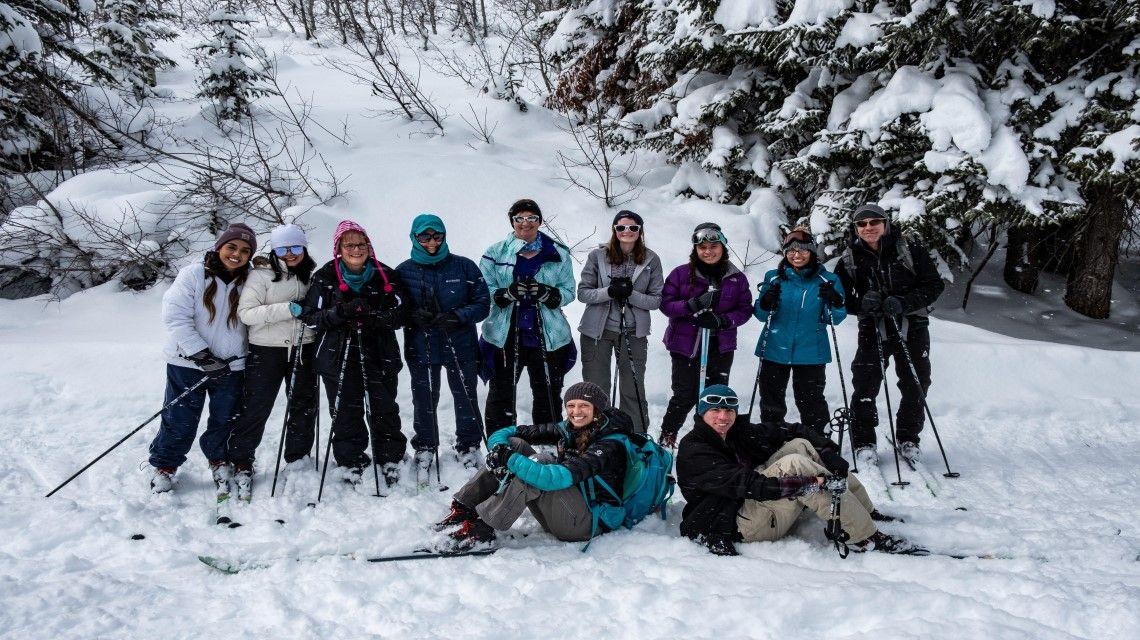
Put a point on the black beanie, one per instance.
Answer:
(625, 213)
(525, 205)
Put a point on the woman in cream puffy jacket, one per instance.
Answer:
(269, 307)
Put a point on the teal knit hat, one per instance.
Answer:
(722, 393)
(422, 223)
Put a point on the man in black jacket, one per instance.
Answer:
(747, 482)
(890, 281)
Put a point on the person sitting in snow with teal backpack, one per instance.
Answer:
(588, 487)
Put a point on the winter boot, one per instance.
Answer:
(460, 513)
(879, 516)
(472, 533)
(470, 458)
(880, 541)
(910, 452)
(866, 456)
(423, 459)
(720, 544)
(243, 480)
(391, 471)
(353, 475)
(162, 480)
(223, 473)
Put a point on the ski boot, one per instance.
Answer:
(469, 458)
(880, 541)
(719, 544)
(162, 480)
(243, 480)
(391, 471)
(459, 514)
(910, 452)
(472, 534)
(866, 456)
(223, 473)
(423, 460)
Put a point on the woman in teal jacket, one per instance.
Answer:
(797, 300)
(530, 278)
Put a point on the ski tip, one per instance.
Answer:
(279, 521)
(138, 536)
(444, 487)
(217, 564)
(223, 520)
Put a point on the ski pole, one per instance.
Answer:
(837, 486)
(844, 418)
(890, 411)
(333, 414)
(463, 381)
(704, 361)
(545, 362)
(298, 331)
(763, 349)
(367, 405)
(173, 402)
(641, 408)
(925, 405)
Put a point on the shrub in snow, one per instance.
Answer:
(127, 38)
(235, 71)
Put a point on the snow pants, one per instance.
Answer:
(503, 388)
(180, 421)
(265, 369)
(350, 435)
(597, 356)
(563, 514)
(686, 374)
(866, 378)
(425, 398)
(772, 519)
(808, 382)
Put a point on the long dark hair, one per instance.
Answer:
(613, 249)
(215, 271)
(303, 270)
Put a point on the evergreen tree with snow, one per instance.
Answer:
(236, 71)
(127, 37)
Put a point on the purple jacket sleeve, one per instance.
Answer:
(673, 295)
(740, 310)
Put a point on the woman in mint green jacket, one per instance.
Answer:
(530, 278)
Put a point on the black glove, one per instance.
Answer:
(449, 321)
(834, 462)
(668, 438)
(546, 294)
(497, 459)
(519, 290)
(209, 363)
(893, 306)
(703, 301)
(351, 309)
(503, 298)
(770, 301)
(422, 317)
(709, 320)
(872, 302)
(829, 295)
(390, 301)
(620, 288)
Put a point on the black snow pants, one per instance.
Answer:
(808, 382)
(265, 369)
(866, 378)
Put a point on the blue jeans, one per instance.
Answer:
(180, 421)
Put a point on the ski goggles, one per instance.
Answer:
(296, 250)
(620, 228)
(870, 222)
(521, 219)
(714, 400)
(708, 235)
(428, 236)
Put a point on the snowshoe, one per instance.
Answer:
(243, 481)
(471, 534)
(162, 480)
(880, 541)
(470, 458)
(910, 452)
(423, 460)
(459, 514)
(867, 457)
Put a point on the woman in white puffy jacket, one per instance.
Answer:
(205, 350)
(269, 307)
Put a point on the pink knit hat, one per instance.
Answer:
(344, 227)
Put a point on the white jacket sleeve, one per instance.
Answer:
(178, 308)
(253, 308)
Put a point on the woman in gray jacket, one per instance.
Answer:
(621, 283)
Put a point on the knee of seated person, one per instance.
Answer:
(799, 464)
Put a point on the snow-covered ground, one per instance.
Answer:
(1045, 436)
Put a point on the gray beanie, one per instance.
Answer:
(589, 392)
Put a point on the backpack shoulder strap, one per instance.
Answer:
(902, 247)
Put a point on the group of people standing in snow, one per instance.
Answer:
(238, 330)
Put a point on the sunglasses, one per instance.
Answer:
(283, 251)
(715, 400)
(521, 219)
(627, 227)
(427, 236)
(873, 222)
(706, 235)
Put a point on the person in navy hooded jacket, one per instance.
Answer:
(798, 299)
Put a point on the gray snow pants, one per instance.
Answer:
(597, 358)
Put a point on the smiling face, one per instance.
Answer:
(628, 237)
(710, 252)
(798, 258)
(354, 249)
(720, 419)
(431, 240)
(235, 254)
(526, 224)
(293, 259)
(871, 230)
(579, 413)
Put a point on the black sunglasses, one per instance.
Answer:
(873, 222)
(627, 227)
(427, 236)
(283, 251)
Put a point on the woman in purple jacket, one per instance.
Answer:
(707, 293)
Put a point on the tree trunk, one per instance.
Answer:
(1089, 288)
(1023, 259)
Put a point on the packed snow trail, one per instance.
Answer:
(1046, 437)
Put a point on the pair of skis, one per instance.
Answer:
(232, 566)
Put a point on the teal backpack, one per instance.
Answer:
(647, 486)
